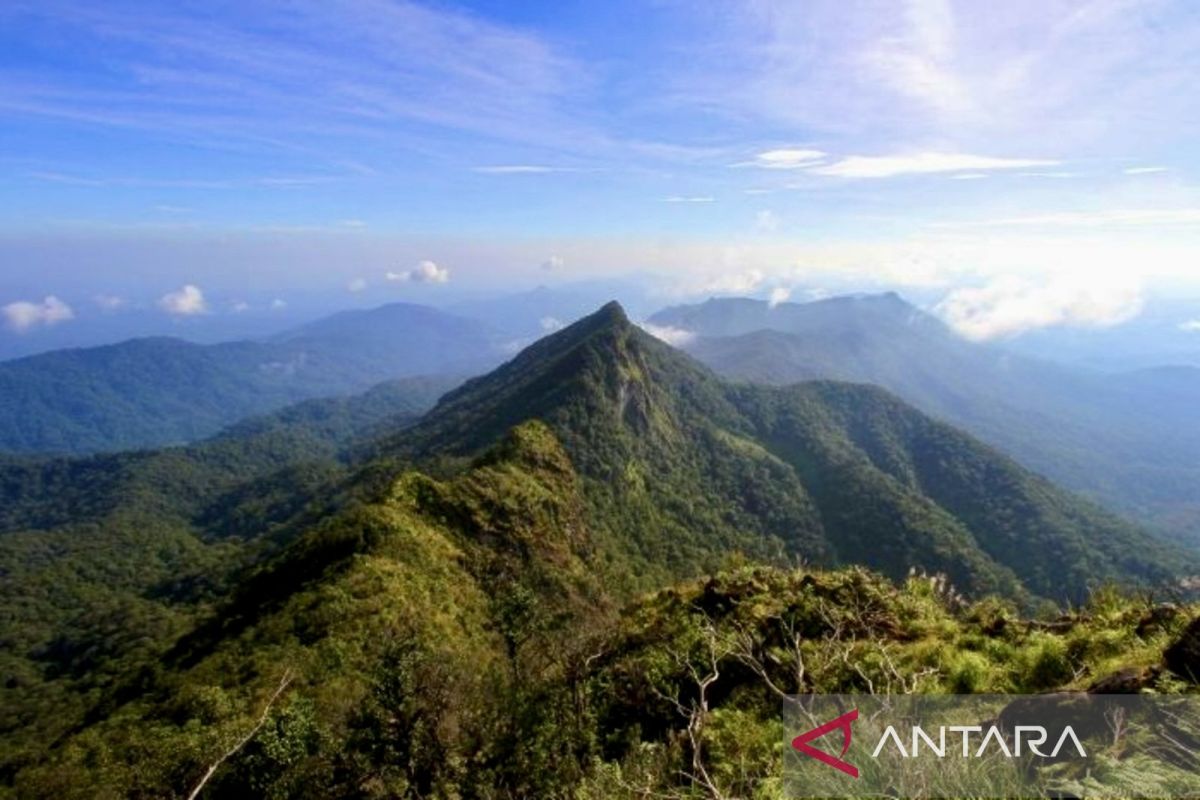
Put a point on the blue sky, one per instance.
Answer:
(1025, 164)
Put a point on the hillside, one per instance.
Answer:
(437, 612)
(106, 559)
(1127, 440)
(161, 391)
(448, 638)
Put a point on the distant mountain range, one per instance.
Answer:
(159, 391)
(1128, 440)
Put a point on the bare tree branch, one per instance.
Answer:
(262, 720)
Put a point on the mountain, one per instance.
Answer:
(106, 559)
(458, 611)
(1127, 440)
(678, 466)
(528, 315)
(154, 392)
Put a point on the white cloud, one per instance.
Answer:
(24, 315)
(553, 263)
(239, 306)
(353, 223)
(1191, 326)
(185, 302)
(357, 285)
(676, 337)
(109, 302)
(916, 71)
(550, 324)
(778, 295)
(969, 176)
(1144, 170)
(922, 164)
(766, 221)
(675, 198)
(424, 272)
(1009, 306)
(784, 158)
(278, 304)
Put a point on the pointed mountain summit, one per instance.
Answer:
(602, 365)
(680, 470)
(672, 483)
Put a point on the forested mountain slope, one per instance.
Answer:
(162, 391)
(1130, 441)
(105, 560)
(436, 613)
(678, 465)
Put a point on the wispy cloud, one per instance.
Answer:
(1055, 174)
(922, 164)
(697, 198)
(24, 315)
(1191, 326)
(520, 169)
(1144, 170)
(138, 182)
(275, 74)
(915, 71)
(676, 337)
(784, 158)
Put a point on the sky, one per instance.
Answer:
(1020, 165)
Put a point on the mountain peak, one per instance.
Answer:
(610, 318)
(612, 313)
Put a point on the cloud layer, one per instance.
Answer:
(1010, 306)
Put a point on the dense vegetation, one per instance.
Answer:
(679, 467)
(473, 605)
(105, 560)
(1128, 440)
(449, 639)
(160, 391)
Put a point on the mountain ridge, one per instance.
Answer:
(159, 391)
(1126, 440)
(443, 610)
(626, 404)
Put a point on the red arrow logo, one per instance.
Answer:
(801, 743)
